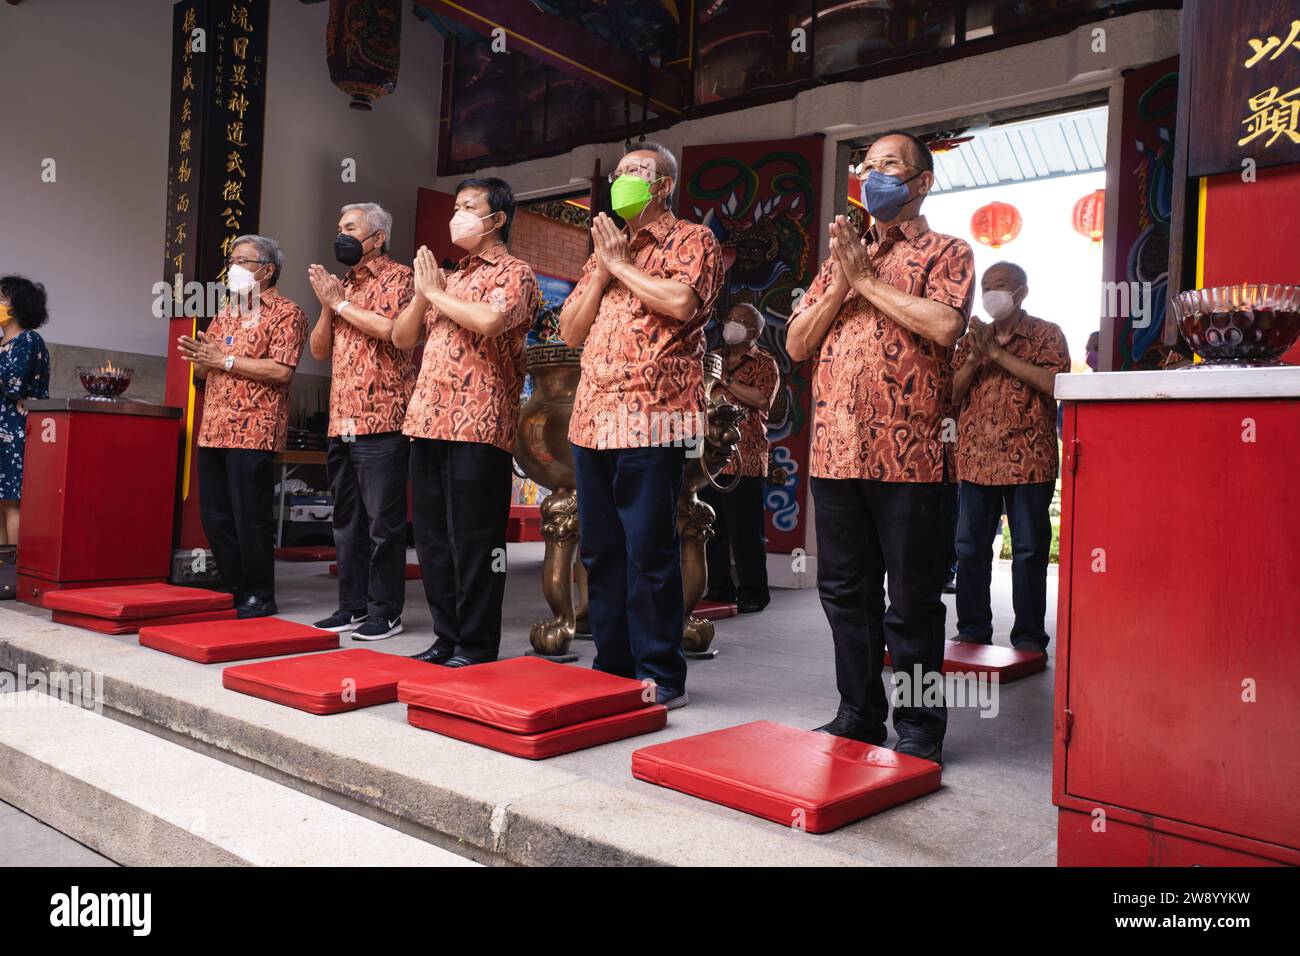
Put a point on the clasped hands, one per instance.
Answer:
(202, 351)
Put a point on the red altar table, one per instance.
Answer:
(99, 487)
(1177, 710)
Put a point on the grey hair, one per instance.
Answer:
(378, 219)
(1017, 273)
(665, 161)
(268, 250)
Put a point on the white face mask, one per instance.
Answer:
(733, 333)
(999, 303)
(239, 279)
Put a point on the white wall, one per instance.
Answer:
(86, 83)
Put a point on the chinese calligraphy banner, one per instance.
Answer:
(1245, 83)
(218, 105)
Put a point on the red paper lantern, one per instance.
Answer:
(1090, 216)
(996, 224)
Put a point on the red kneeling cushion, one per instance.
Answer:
(106, 625)
(547, 743)
(213, 643)
(524, 695)
(798, 778)
(325, 683)
(965, 657)
(134, 601)
(306, 552)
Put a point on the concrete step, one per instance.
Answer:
(140, 800)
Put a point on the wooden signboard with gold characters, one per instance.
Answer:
(218, 105)
(1244, 84)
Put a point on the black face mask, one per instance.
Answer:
(348, 249)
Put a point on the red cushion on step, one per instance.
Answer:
(794, 777)
(714, 610)
(524, 695)
(306, 552)
(325, 683)
(134, 601)
(548, 743)
(965, 657)
(214, 643)
(110, 626)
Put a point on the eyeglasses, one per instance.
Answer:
(245, 263)
(644, 170)
(887, 164)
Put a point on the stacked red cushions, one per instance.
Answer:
(529, 707)
(124, 609)
(214, 642)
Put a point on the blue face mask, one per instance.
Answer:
(884, 195)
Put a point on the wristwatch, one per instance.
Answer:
(338, 309)
(228, 363)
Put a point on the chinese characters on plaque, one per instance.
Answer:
(218, 105)
(1245, 103)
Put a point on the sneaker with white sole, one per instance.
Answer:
(341, 621)
(671, 698)
(377, 629)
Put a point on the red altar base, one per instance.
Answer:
(525, 523)
(1197, 534)
(99, 483)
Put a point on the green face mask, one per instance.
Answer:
(629, 195)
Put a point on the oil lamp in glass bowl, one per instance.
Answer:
(1239, 325)
(104, 383)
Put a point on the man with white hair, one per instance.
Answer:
(371, 384)
(244, 362)
(639, 310)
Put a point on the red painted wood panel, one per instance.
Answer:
(1200, 535)
(1122, 844)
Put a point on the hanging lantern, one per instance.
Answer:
(363, 43)
(1090, 216)
(996, 224)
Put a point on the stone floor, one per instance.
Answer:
(994, 808)
(26, 841)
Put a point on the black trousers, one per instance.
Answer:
(236, 494)
(461, 492)
(738, 531)
(627, 512)
(953, 506)
(1027, 508)
(367, 476)
(868, 531)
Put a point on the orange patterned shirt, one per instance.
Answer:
(372, 379)
(880, 391)
(1007, 429)
(756, 369)
(241, 412)
(469, 384)
(642, 379)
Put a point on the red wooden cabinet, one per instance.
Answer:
(99, 484)
(1178, 669)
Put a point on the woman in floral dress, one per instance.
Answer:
(24, 374)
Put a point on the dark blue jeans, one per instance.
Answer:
(627, 514)
(870, 533)
(1031, 541)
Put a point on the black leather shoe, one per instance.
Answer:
(434, 655)
(255, 607)
(844, 726)
(750, 606)
(1029, 647)
(719, 597)
(919, 747)
(460, 660)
